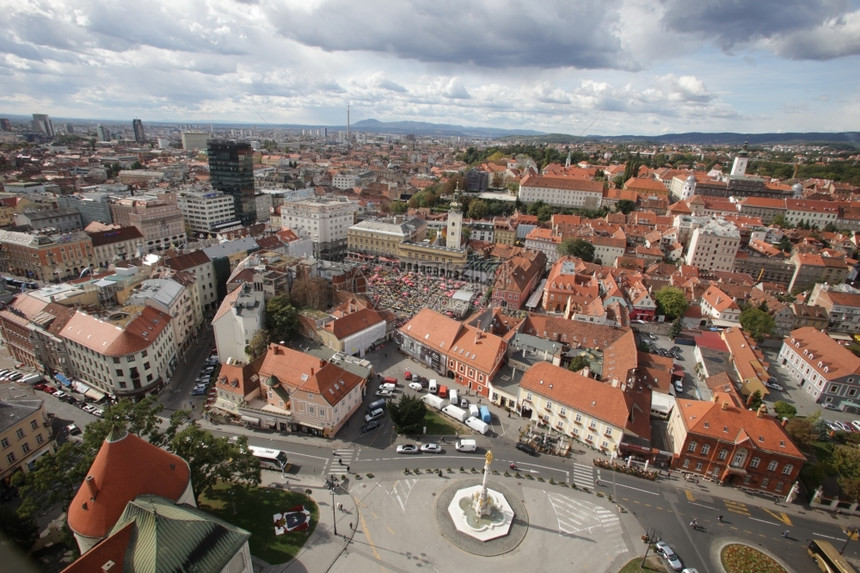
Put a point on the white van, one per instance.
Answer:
(478, 425)
(455, 399)
(474, 411)
(432, 386)
(466, 445)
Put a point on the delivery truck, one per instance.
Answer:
(485, 415)
(478, 425)
(456, 412)
(434, 401)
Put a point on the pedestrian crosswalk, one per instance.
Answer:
(582, 518)
(341, 458)
(583, 475)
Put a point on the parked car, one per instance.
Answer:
(371, 425)
(431, 448)
(774, 386)
(856, 424)
(98, 413)
(60, 394)
(407, 449)
(652, 336)
(196, 391)
(73, 430)
(383, 393)
(524, 447)
(89, 408)
(15, 376)
(669, 555)
(407, 375)
(464, 403)
(416, 386)
(42, 387)
(829, 406)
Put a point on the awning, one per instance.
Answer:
(79, 387)
(62, 379)
(251, 420)
(94, 394)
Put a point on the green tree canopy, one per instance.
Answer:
(784, 410)
(282, 319)
(407, 414)
(259, 342)
(577, 248)
(625, 206)
(578, 363)
(757, 322)
(478, 209)
(398, 207)
(213, 459)
(671, 302)
(677, 326)
(846, 462)
(754, 401)
(801, 431)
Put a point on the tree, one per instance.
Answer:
(846, 462)
(312, 292)
(781, 222)
(213, 459)
(675, 330)
(58, 476)
(282, 319)
(21, 531)
(801, 431)
(577, 248)
(671, 302)
(757, 322)
(407, 414)
(578, 363)
(478, 209)
(398, 207)
(784, 410)
(754, 401)
(625, 206)
(259, 342)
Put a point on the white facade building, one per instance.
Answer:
(325, 220)
(241, 315)
(714, 246)
(206, 211)
(561, 191)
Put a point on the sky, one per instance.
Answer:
(581, 67)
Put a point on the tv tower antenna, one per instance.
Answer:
(347, 126)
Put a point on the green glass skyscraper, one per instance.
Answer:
(231, 170)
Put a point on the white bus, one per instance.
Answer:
(270, 459)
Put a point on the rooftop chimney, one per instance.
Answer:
(761, 412)
(94, 491)
(725, 405)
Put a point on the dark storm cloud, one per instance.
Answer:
(551, 34)
(733, 23)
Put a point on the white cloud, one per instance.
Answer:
(651, 65)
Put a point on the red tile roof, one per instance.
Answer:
(112, 340)
(124, 468)
(561, 386)
(308, 373)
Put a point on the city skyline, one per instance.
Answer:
(616, 67)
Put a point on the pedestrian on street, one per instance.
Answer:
(350, 526)
(785, 533)
(720, 518)
(340, 461)
(347, 469)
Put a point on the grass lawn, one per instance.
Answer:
(653, 563)
(254, 508)
(438, 425)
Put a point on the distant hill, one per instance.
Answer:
(441, 129)
(728, 138)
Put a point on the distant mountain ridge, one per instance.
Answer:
(443, 129)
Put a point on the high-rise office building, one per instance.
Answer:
(137, 125)
(103, 133)
(42, 123)
(231, 171)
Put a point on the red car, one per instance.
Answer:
(44, 388)
(407, 375)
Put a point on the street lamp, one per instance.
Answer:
(331, 485)
(850, 533)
